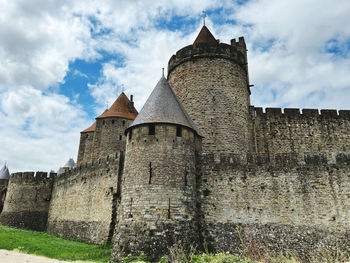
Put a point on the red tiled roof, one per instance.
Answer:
(205, 36)
(91, 128)
(120, 108)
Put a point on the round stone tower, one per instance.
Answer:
(211, 81)
(158, 204)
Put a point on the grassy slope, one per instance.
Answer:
(43, 244)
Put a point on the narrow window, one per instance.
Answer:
(150, 173)
(123, 123)
(112, 121)
(178, 131)
(103, 122)
(120, 137)
(130, 134)
(186, 173)
(169, 209)
(130, 214)
(151, 129)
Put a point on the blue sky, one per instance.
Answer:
(62, 62)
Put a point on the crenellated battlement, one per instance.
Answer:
(94, 165)
(295, 112)
(234, 52)
(32, 176)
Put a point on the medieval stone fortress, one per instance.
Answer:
(198, 165)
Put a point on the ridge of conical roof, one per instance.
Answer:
(120, 108)
(205, 36)
(91, 128)
(4, 172)
(70, 163)
(163, 106)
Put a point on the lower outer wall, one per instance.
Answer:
(32, 220)
(83, 200)
(281, 207)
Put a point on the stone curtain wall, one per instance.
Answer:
(85, 199)
(211, 83)
(158, 203)
(283, 206)
(27, 200)
(299, 132)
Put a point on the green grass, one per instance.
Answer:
(43, 244)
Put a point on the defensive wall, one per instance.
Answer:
(282, 204)
(3, 191)
(295, 131)
(85, 201)
(27, 200)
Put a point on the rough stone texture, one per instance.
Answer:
(27, 200)
(284, 206)
(299, 132)
(158, 204)
(109, 136)
(84, 201)
(3, 191)
(211, 83)
(85, 147)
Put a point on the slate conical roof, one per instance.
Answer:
(120, 108)
(4, 172)
(205, 36)
(163, 106)
(70, 163)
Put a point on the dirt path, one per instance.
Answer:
(7, 256)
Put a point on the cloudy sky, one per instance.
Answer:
(63, 61)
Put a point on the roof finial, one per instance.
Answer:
(204, 16)
(163, 72)
(107, 104)
(123, 87)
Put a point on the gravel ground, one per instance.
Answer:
(7, 256)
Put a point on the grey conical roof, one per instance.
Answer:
(163, 106)
(4, 172)
(70, 163)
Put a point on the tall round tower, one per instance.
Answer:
(158, 204)
(211, 81)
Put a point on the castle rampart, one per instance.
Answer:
(27, 200)
(85, 200)
(296, 131)
(283, 205)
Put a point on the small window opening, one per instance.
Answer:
(178, 131)
(120, 137)
(151, 129)
(103, 122)
(150, 173)
(123, 123)
(130, 213)
(169, 209)
(112, 121)
(130, 135)
(186, 173)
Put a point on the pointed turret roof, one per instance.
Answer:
(91, 128)
(122, 107)
(4, 172)
(70, 163)
(163, 106)
(205, 36)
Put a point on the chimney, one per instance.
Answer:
(131, 104)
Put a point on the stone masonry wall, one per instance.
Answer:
(85, 199)
(27, 200)
(284, 205)
(214, 91)
(85, 147)
(275, 132)
(158, 205)
(109, 136)
(3, 191)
